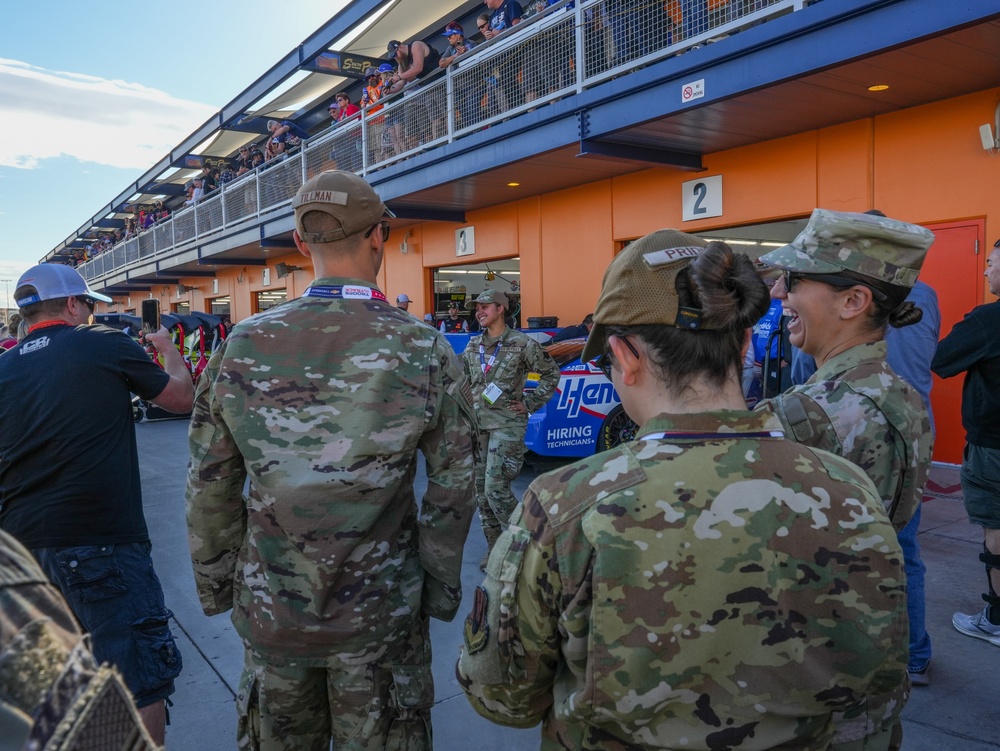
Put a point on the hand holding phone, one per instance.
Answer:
(150, 316)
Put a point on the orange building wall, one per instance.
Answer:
(924, 165)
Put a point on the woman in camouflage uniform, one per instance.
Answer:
(844, 280)
(709, 585)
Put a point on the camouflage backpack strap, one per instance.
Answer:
(88, 707)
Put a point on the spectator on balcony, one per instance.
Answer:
(467, 97)
(208, 179)
(342, 108)
(424, 115)
(285, 136)
(226, 173)
(347, 145)
(370, 95)
(197, 192)
(505, 14)
(243, 161)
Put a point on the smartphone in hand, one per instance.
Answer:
(150, 316)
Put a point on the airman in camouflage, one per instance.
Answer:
(330, 568)
(710, 585)
(497, 363)
(53, 695)
(845, 278)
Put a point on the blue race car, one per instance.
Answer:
(584, 416)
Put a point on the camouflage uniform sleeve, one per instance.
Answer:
(216, 515)
(804, 420)
(541, 362)
(507, 665)
(448, 504)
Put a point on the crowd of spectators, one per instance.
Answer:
(620, 30)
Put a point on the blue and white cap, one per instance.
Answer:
(53, 281)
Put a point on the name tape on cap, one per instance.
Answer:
(338, 197)
(670, 255)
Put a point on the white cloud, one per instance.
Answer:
(115, 123)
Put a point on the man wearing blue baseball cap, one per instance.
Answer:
(69, 480)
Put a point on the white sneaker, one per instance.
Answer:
(978, 626)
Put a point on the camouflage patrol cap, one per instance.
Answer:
(343, 195)
(639, 287)
(489, 295)
(874, 246)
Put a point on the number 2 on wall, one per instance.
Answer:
(700, 191)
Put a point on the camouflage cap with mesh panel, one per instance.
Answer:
(639, 287)
(488, 296)
(874, 246)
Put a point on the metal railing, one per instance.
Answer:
(558, 52)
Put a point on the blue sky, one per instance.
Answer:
(94, 93)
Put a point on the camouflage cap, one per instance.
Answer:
(343, 195)
(874, 246)
(489, 295)
(639, 287)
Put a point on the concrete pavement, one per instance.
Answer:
(957, 712)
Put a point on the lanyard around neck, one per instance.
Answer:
(345, 292)
(482, 356)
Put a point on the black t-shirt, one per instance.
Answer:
(69, 472)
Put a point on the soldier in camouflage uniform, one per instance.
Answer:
(710, 585)
(845, 279)
(497, 363)
(329, 566)
(53, 695)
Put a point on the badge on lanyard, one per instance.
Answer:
(492, 393)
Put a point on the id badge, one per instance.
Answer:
(492, 393)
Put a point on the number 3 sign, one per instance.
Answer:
(701, 198)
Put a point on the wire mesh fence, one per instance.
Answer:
(537, 61)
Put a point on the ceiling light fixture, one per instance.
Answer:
(513, 185)
(878, 87)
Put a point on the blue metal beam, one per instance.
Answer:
(277, 242)
(590, 147)
(427, 214)
(232, 262)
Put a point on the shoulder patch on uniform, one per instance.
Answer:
(477, 630)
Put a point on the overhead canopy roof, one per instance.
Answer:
(295, 89)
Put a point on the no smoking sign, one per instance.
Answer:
(693, 90)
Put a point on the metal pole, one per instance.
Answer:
(6, 309)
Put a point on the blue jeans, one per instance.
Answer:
(920, 640)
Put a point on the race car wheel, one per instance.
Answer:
(617, 428)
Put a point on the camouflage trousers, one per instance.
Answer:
(501, 454)
(379, 705)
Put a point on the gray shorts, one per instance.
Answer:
(981, 485)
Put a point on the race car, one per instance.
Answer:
(584, 416)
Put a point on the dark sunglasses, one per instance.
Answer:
(789, 278)
(484, 27)
(604, 361)
(385, 230)
(88, 302)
